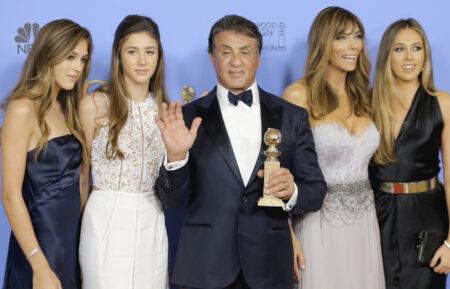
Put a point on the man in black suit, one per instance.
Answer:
(227, 240)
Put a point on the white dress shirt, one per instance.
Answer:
(243, 125)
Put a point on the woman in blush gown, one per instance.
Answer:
(341, 242)
(413, 118)
(42, 147)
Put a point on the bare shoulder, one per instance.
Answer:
(22, 110)
(444, 100)
(24, 107)
(93, 105)
(443, 95)
(444, 103)
(20, 119)
(297, 93)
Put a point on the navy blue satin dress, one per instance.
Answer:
(52, 196)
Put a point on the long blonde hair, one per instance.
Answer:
(54, 42)
(384, 89)
(327, 25)
(116, 88)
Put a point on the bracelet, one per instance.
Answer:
(35, 250)
(446, 244)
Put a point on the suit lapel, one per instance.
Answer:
(271, 116)
(212, 122)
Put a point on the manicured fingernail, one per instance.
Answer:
(266, 185)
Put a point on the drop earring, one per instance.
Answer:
(422, 69)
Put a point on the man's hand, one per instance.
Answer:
(281, 183)
(177, 138)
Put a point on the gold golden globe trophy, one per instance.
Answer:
(272, 138)
(187, 93)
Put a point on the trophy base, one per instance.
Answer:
(270, 202)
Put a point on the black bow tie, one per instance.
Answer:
(246, 97)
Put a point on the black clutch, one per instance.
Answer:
(428, 243)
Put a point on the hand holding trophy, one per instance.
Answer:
(272, 138)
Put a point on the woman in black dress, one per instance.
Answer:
(413, 118)
(42, 146)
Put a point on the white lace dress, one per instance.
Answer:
(123, 242)
(341, 242)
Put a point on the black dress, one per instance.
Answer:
(402, 216)
(52, 195)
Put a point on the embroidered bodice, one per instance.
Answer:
(344, 159)
(141, 142)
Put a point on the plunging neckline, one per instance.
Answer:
(344, 128)
(405, 120)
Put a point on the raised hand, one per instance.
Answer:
(177, 138)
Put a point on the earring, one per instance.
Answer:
(423, 68)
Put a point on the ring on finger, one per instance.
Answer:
(286, 186)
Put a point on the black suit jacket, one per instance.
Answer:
(224, 230)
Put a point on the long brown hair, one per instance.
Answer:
(116, 88)
(327, 25)
(384, 89)
(54, 42)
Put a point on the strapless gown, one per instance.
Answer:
(52, 196)
(341, 242)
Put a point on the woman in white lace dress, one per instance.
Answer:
(123, 242)
(341, 242)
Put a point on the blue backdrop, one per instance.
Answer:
(184, 29)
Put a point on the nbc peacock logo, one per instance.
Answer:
(23, 37)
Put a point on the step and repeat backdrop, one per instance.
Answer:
(185, 26)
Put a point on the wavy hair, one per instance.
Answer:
(54, 42)
(327, 25)
(384, 89)
(116, 88)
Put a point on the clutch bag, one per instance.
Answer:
(428, 243)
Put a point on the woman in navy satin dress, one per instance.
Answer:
(42, 146)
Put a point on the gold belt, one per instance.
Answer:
(408, 188)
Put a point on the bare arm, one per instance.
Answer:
(19, 124)
(443, 252)
(297, 93)
(299, 260)
(92, 111)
